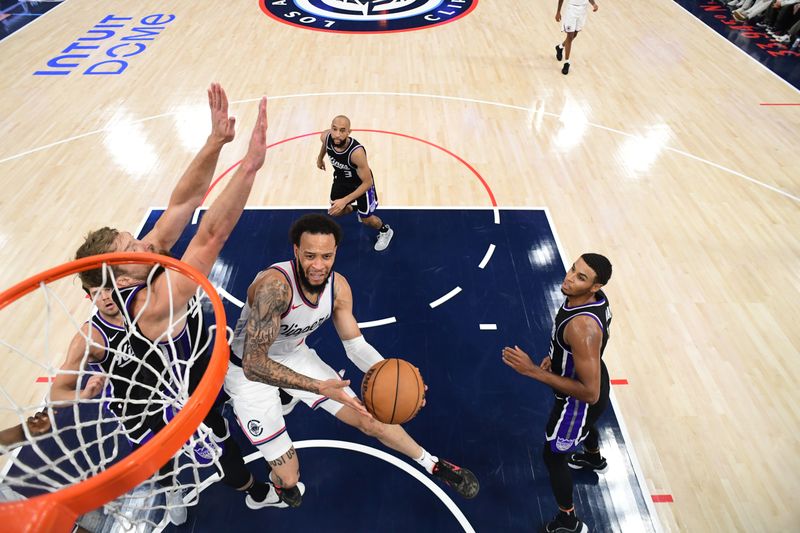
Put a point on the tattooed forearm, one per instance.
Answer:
(271, 300)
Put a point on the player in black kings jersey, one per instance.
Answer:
(353, 180)
(158, 302)
(579, 378)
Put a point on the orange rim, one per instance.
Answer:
(58, 511)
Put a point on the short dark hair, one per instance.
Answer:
(601, 266)
(314, 224)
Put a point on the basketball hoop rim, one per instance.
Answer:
(58, 510)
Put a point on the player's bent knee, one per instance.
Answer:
(285, 477)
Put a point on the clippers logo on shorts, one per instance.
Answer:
(255, 428)
(366, 16)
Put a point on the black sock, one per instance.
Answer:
(567, 518)
(258, 491)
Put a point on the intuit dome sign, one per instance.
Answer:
(108, 47)
(366, 16)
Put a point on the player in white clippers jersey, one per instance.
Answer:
(286, 303)
(572, 22)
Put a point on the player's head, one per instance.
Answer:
(314, 239)
(101, 297)
(340, 130)
(587, 275)
(107, 240)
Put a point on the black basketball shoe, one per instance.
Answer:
(560, 524)
(587, 461)
(460, 480)
(565, 69)
(278, 497)
(559, 52)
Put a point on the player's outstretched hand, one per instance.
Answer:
(334, 389)
(223, 127)
(519, 361)
(257, 149)
(546, 364)
(38, 424)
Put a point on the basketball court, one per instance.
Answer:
(496, 172)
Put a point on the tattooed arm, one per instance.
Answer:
(271, 296)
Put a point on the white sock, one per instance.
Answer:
(560, 46)
(567, 62)
(427, 461)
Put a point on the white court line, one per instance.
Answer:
(138, 232)
(402, 465)
(230, 297)
(444, 298)
(366, 450)
(415, 95)
(496, 215)
(648, 498)
(487, 327)
(487, 257)
(374, 323)
(196, 215)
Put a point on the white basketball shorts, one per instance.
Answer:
(573, 18)
(257, 406)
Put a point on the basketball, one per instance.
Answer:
(393, 391)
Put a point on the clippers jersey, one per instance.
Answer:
(344, 171)
(299, 320)
(563, 363)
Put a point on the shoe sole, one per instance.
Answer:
(593, 469)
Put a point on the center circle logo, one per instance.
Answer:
(366, 16)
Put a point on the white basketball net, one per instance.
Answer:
(86, 437)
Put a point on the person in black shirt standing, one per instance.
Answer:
(353, 180)
(579, 379)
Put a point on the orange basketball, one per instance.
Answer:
(393, 391)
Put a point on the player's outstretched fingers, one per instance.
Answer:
(223, 99)
(334, 389)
